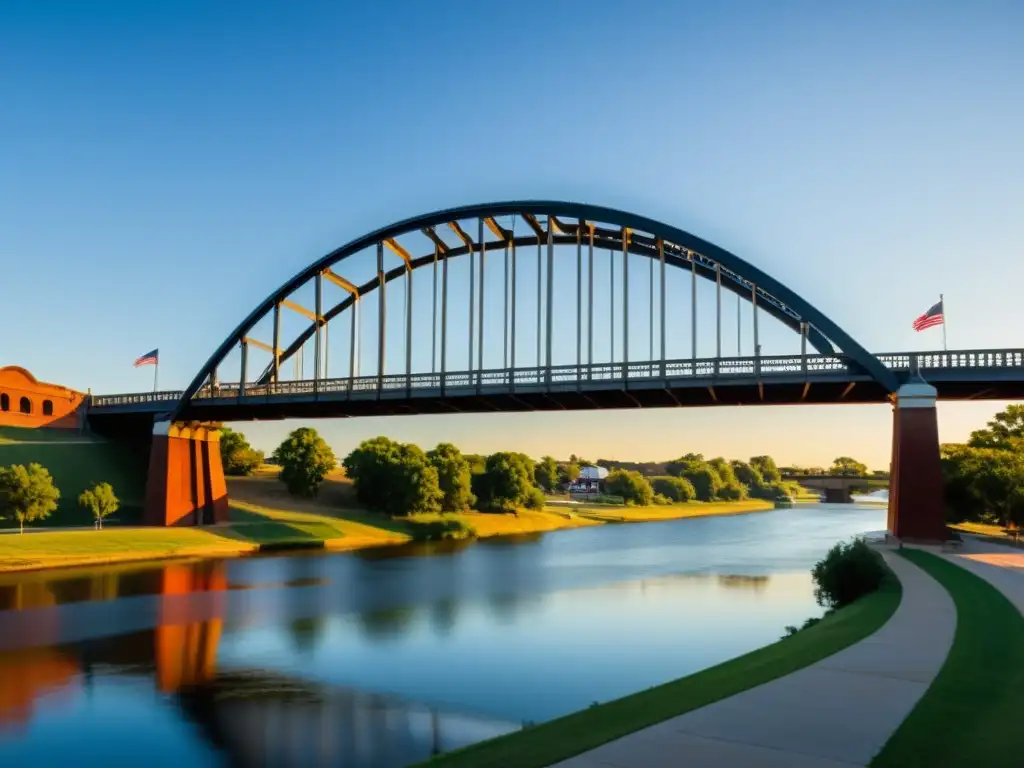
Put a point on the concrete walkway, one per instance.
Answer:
(1001, 566)
(836, 713)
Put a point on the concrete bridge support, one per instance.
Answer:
(185, 485)
(916, 502)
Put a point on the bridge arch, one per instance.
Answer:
(568, 223)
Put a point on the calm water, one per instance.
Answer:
(382, 658)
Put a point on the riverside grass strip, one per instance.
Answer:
(557, 740)
(970, 715)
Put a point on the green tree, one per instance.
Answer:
(414, 488)
(633, 487)
(305, 460)
(1005, 431)
(477, 463)
(369, 466)
(506, 484)
(984, 485)
(844, 465)
(546, 473)
(237, 456)
(568, 472)
(699, 472)
(453, 476)
(767, 467)
(674, 488)
(730, 488)
(748, 474)
(27, 493)
(399, 479)
(100, 501)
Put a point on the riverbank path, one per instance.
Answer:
(836, 713)
(1000, 565)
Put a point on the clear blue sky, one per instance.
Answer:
(165, 165)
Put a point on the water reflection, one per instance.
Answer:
(371, 658)
(250, 717)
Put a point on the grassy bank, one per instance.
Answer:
(56, 549)
(263, 517)
(970, 715)
(560, 739)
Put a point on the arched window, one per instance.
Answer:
(47, 408)
(25, 406)
(5, 402)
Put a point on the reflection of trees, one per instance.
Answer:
(307, 633)
(506, 605)
(443, 616)
(737, 581)
(385, 623)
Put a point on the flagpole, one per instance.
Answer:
(156, 370)
(942, 303)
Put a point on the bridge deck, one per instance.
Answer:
(793, 380)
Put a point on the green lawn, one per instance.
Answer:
(65, 548)
(75, 466)
(971, 713)
(557, 740)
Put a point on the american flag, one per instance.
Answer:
(150, 358)
(932, 317)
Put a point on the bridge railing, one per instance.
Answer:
(709, 368)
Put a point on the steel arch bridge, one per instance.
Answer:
(185, 477)
(507, 229)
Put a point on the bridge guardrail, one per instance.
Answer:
(711, 368)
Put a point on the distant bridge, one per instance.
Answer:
(838, 489)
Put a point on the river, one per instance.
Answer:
(383, 657)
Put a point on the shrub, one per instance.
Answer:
(236, 455)
(662, 501)
(630, 485)
(535, 499)
(675, 488)
(734, 492)
(445, 529)
(849, 571)
(615, 501)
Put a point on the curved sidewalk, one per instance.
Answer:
(836, 713)
(1000, 565)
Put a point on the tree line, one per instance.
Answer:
(402, 479)
(984, 477)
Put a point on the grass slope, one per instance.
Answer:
(557, 740)
(970, 715)
(74, 467)
(65, 548)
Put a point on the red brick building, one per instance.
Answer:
(27, 402)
